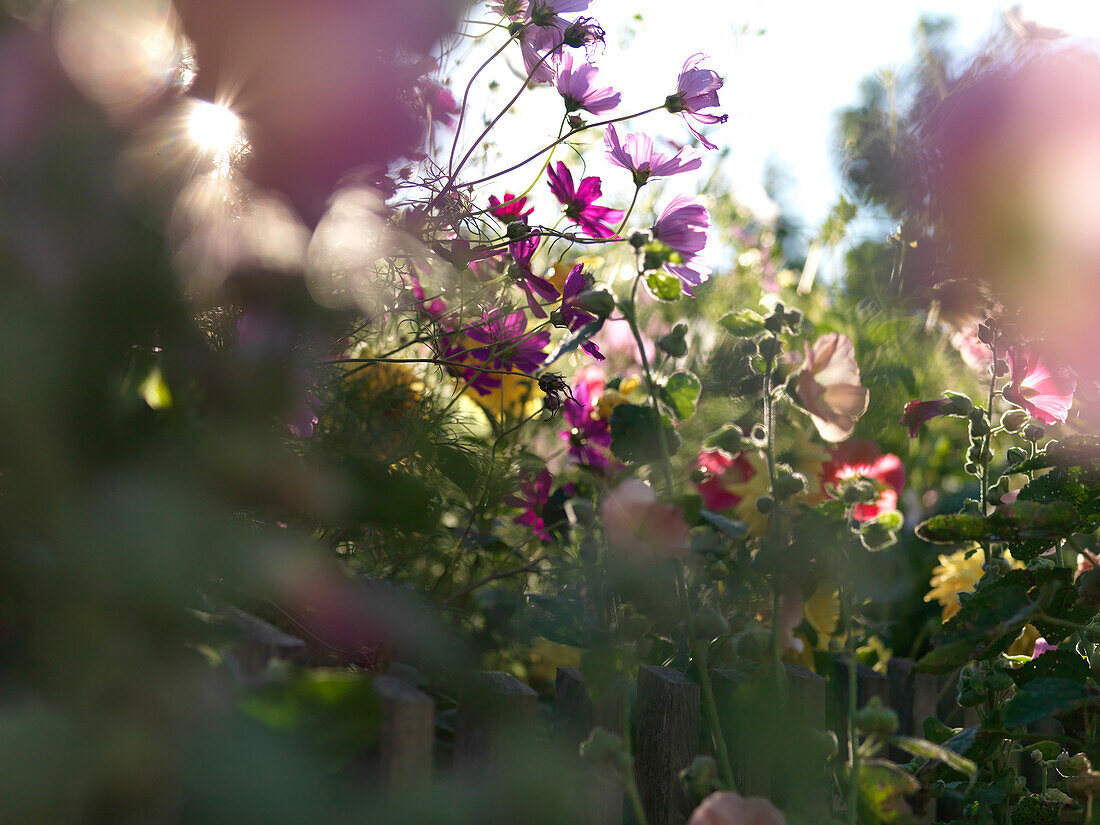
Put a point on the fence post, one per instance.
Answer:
(576, 716)
(741, 726)
(807, 791)
(406, 735)
(667, 740)
(494, 710)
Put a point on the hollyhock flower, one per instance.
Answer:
(864, 459)
(729, 808)
(1044, 390)
(437, 101)
(577, 90)
(683, 227)
(725, 473)
(507, 346)
(580, 202)
(636, 523)
(975, 354)
(1041, 647)
(510, 209)
(588, 436)
(522, 251)
(696, 88)
(636, 154)
(917, 412)
(532, 499)
(573, 317)
(828, 386)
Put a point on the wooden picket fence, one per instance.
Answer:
(666, 729)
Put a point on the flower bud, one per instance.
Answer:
(765, 504)
(728, 438)
(602, 747)
(674, 343)
(1072, 765)
(979, 426)
(518, 229)
(639, 238)
(770, 348)
(788, 483)
(1000, 368)
(1015, 455)
(959, 404)
(700, 778)
(1033, 432)
(599, 302)
(1013, 420)
(875, 719)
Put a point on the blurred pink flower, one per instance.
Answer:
(580, 202)
(638, 524)
(1045, 391)
(578, 91)
(511, 208)
(828, 385)
(636, 154)
(696, 89)
(683, 226)
(1041, 647)
(974, 353)
(729, 808)
(863, 459)
(722, 470)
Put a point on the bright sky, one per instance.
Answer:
(789, 66)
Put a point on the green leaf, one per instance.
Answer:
(929, 750)
(945, 658)
(883, 787)
(742, 324)
(681, 392)
(1043, 698)
(1054, 664)
(636, 434)
(663, 285)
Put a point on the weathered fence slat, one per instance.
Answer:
(495, 711)
(807, 791)
(576, 716)
(406, 735)
(667, 739)
(868, 684)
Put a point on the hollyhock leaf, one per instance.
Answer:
(883, 787)
(946, 658)
(726, 526)
(681, 392)
(742, 324)
(1054, 664)
(1044, 698)
(663, 286)
(930, 750)
(635, 431)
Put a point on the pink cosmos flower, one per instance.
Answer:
(683, 226)
(828, 385)
(864, 459)
(917, 412)
(513, 9)
(533, 497)
(696, 88)
(522, 252)
(580, 202)
(510, 209)
(588, 436)
(636, 154)
(575, 318)
(507, 344)
(722, 470)
(1045, 391)
(636, 523)
(578, 91)
(729, 808)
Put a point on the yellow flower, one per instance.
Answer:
(882, 653)
(613, 398)
(1025, 642)
(822, 612)
(803, 455)
(516, 397)
(545, 657)
(957, 574)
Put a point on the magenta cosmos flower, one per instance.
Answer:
(577, 88)
(522, 252)
(507, 344)
(533, 498)
(1045, 391)
(696, 88)
(588, 435)
(828, 385)
(683, 227)
(636, 154)
(572, 315)
(510, 209)
(580, 202)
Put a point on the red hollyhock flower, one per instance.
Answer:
(722, 470)
(863, 459)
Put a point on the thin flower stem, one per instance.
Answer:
(651, 384)
(630, 209)
(710, 707)
(466, 97)
(853, 703)
(992, 549)
(774, 529)
(628, 769)
(565, 137)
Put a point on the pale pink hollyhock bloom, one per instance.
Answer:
(1045, 391)
(729, 808)
(828, 385)
(974, 353)
(576, 86)
(683, 226)
(638, 524)
(636, 154)
(696, 88)
(790, 617)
